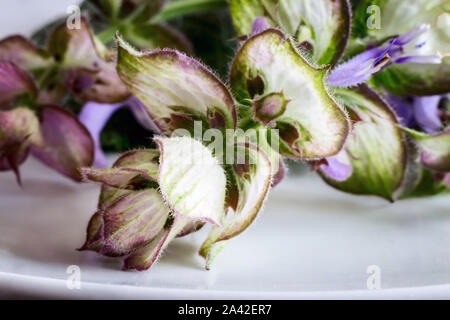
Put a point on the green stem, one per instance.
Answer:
(181, 7)
(107, 35)
(171, 10)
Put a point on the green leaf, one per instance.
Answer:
(312, 125)
(253, 180)
(427, 185)
(134, 169)
(166, 79)
(435, 149)
(149, 37)
(325, 23)
(191, 180)
(375, 150)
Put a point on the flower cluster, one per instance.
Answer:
(368, 109)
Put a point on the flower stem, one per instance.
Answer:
(107, 35)
(181, 7)
(171, 10)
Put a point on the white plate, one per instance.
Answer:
(310, 242)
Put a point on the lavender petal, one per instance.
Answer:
(356, 70)
(426, 113)
(336, 169)
(259, 25)
(429, 59)
(403, 109)
(94, 117)
(412, 34)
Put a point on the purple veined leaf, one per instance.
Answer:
(89, 71)
(67, 145)
(144, 258)
(325, 24)
(163, 79)
(14, 82)
(434, 149)
(363, 66)
(94, 233)
(108, 195)
(23, 53)
(127, 224)
(191, 227)
(101, 84)
(254, 185)
(133, 170)
(19, 128)
(95, 230)
(133, 221)
(311, 123)
(426, 113)
(191, 180)
(375, 150)
(94, 117)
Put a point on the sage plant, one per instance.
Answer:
(287, 79)
(367, 107)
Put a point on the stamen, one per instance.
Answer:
(382, 60)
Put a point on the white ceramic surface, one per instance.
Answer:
(311, 241)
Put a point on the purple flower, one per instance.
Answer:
(94, 117)
(50, 133)
(74, 61)
(418, 111)
(336, 169)
(426, 113)
(403, 109)
(259, 25)
(401, 49)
